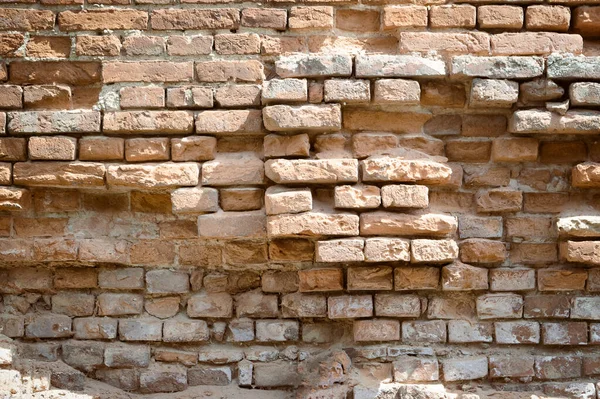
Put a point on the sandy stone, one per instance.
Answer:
(312, 224)
(380, 168)
(312, 171)
(357, 197)
(285, 118)
(433, 251)
(384, 223)
(344, 250)
(280, 200)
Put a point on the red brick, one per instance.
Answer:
(195, 19)
(452, 16)
(43, 72)
(264, 18)
(114, 19)
(49, 47)
(26, 20)
(357, 20)
(316, 280)
(562, 280)
(109, 45)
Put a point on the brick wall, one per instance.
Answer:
(317, 199)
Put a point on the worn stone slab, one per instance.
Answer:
(502, 67)
(153, 176)
(314, 65)
(389, 223)
(312, 224)
(579, 226)
(47, 122)
(571, 67)
(379, 65)
(286, 118)
(547, 122)
(312, 171)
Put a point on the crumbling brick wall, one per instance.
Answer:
(317, 199)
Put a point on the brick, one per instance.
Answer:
(376, 330)
(233, 169)
(119, 304)
(49, 47)
(554, 367)
(49, 326)
(126, 355)
(499, 200)
(244, 43)
(371, 278)
(75, 278)
(396, 305)
(147, 71)
(532, 253)
(492, 306)
(215, 305)
(47, 97)
(450, 42)
(229, 122)
(468, 151)
(433, 251)
(238, 95)
(397, 91)
(154, 175)
(546, 306)
(11, 97)
(466, 368)
(241, 199)
(109, 46)
(585, 20)
(384, 223)
(479, 250)
(312, 171)
(276, 374)
(195, 19)
(416, 278)
(37, 122)
(113, 19)
(316, 17)
(195, 200)
(398, 66)
(11, 44)
(209, 375)
(573, 333)
(430, 331)
(95, 328)
(533, 43)
(73, 304)
(386, 250)
(391, 169)
(224, 71)
(460, 331)
(561, 280)
(512, 67)
(413, 369)
(409, 16)
(462, 277)
(511, 366)
(13, 149)
(517, 332)
(280, 200)
(452, 16)
(26, 20)
(493, 93)
(515, 150)
(357, 20)
(303, 305)
(101, 148)
(277, 330)
(548, 18)
(145, 150)
(500, 17)
(232, 224)
(52, 148)
(317, 280)
(350, 306)
(264, 18)
(142, 97)
(307, 117)
(299, 66)
(189, 45)
(163, 378)
(193, 148)
(57, 174)
(144, 45)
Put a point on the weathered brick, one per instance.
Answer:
(80, 121)
(430, 331)
(350, 306)
(500, 17)
(26, 20)
(376, 330)
(195, 19)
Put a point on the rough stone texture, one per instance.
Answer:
(322, 199)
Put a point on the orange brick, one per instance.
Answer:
(315, 280)
(548, 18)
(357, 20)
(500, 17)
(452, 16)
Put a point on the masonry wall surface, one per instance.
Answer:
(312, 199)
